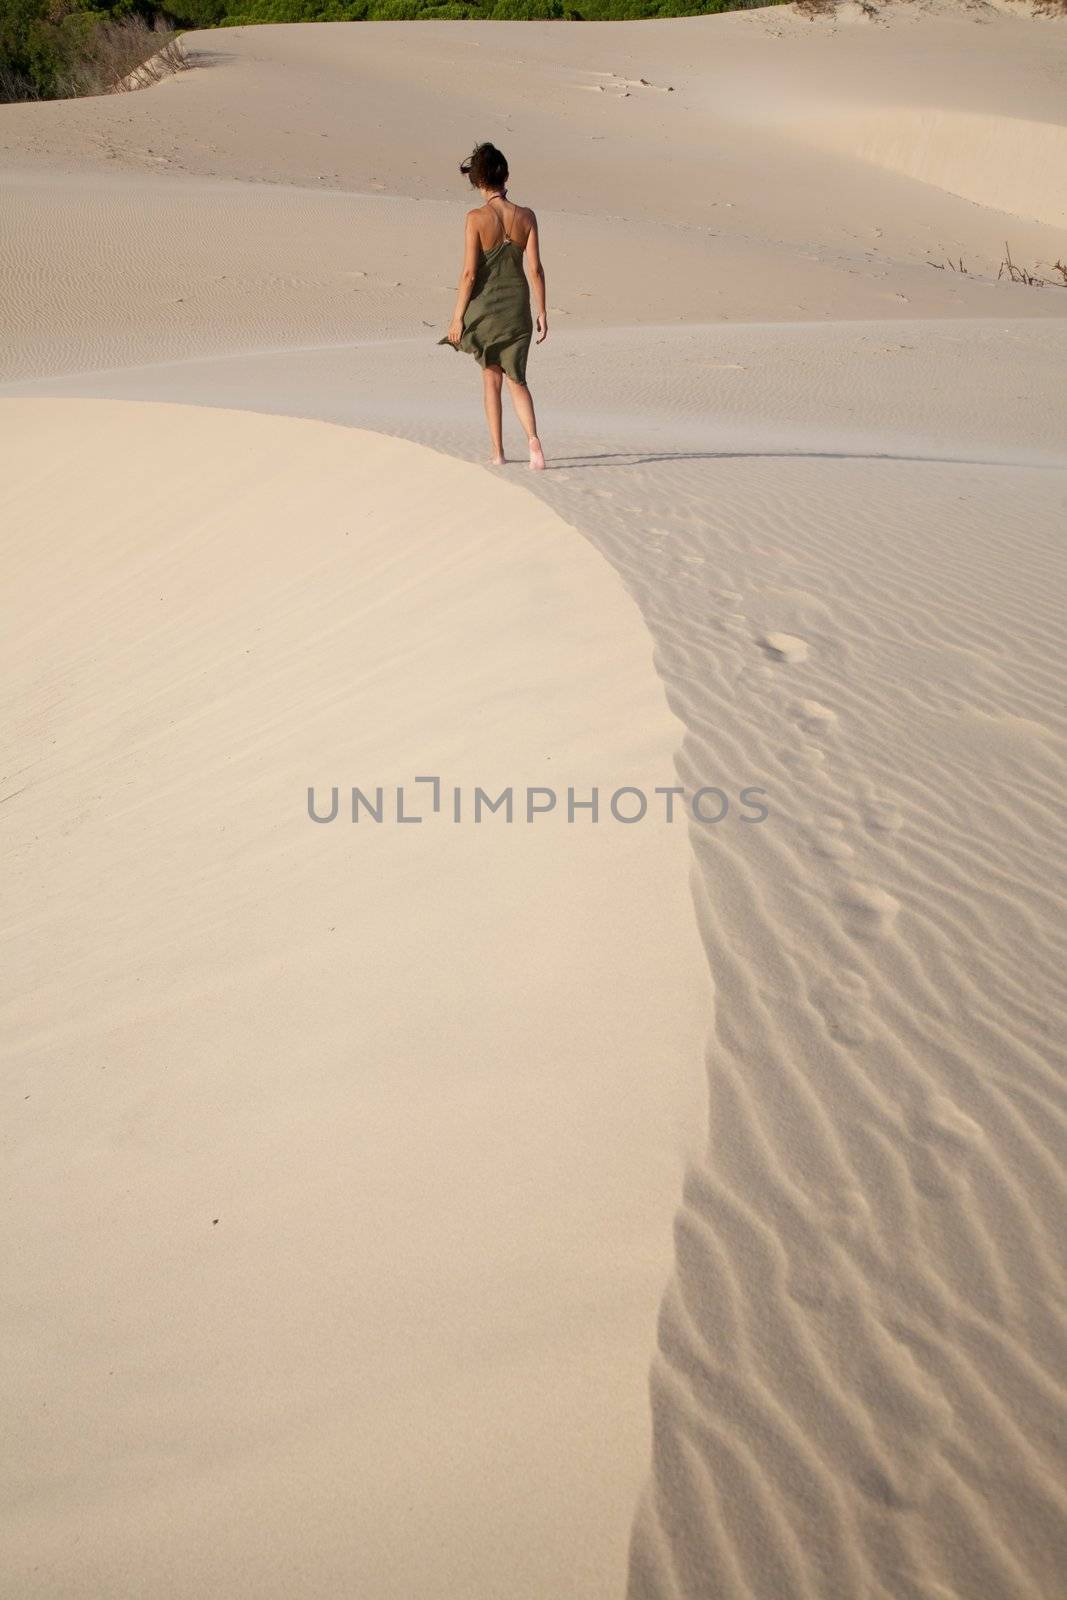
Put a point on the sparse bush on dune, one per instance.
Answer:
(54, 49)
(124, 54)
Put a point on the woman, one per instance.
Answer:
(492, 317)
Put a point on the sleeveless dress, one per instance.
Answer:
(497, 324)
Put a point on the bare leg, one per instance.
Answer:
(522, 400)
(492, 379)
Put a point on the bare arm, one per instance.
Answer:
(471, 250)
(536, 273)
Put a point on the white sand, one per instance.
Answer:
(343, 1152)
(438, 1084)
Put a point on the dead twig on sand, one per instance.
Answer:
(1016, 273)
(1020, 274)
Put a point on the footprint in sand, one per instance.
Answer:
(944, 1139)
(845, 1212)
(842, 1001)
(809, 768)
(785, 647)
(884, 817)
(813, 717)
(944, 1123)
(871, 911)
(808, 755)
(830, 841)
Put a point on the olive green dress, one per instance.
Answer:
(497, 325)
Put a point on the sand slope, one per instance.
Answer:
(355, 1252)
(831, 474)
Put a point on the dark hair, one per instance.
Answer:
(486, 167)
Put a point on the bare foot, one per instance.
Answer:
(498, 461)
(537, 456)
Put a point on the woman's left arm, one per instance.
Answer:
(471, 247)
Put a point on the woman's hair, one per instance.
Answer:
(486, 167)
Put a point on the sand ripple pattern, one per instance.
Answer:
(857, 1387)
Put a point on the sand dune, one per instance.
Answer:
(1006, 162)
(808, 489)
(311, 1128)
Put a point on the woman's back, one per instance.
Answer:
(502, 219)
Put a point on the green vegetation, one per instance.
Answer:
(54, 48)
(51, 49)
(236, 13)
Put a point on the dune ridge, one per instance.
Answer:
(1008, 163)
(309, 1128)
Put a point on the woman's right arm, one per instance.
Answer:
(536, 273)
(467, 276)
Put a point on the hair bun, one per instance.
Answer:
(486, 167)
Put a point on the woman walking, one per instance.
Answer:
(492, 320)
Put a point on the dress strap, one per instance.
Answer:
(507, 236)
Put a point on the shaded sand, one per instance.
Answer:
(831, 473)
(339, 1154)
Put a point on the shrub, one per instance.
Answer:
(195, 13)
(51, 48)
(527, 10)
